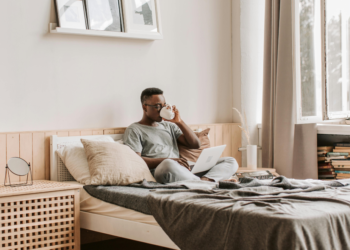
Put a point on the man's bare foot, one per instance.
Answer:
(232, 180)
(207, 179)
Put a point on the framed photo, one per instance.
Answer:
(105, 15)
(142, 16)
(71, 14)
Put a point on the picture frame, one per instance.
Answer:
(142, 17)
(71, 14)
(106, 15)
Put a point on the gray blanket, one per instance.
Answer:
(280, 181)
(128, 197)
(135, 196)
(263, 217)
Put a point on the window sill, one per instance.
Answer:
(333, 121)
(334, 129)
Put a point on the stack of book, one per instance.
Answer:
(325, 168)
(342, 165)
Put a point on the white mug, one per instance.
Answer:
(167, 113)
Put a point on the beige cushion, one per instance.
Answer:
(114, 164)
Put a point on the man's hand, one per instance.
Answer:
(188, 138)
(182, 162)
(177, 118)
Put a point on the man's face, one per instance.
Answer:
(153, 112)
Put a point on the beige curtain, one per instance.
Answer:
(289, 148)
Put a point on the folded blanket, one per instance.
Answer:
(155, 185)
(176, 185)
(280, 181)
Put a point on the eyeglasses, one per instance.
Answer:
(157, 106)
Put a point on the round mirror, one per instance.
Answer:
(18, 166)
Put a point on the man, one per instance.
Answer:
(156, 142)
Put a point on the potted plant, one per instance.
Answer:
(251, 149)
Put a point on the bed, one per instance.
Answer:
(103, 217)
(314, 217)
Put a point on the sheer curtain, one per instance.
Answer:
(288, 147)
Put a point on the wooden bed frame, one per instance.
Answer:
(104, 224)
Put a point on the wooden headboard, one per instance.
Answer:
(34, 147)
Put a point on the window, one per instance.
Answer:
(337, 16)
(322, 59)
(308, 61)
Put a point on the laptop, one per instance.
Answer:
(208, 159)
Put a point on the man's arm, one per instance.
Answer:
(154, 162)
(188, 138)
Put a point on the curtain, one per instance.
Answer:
(289, 148)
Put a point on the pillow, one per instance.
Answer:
(120, 141)
(193, 154)
(74, 158)
(114, 164)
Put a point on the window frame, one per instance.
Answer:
(299, 118)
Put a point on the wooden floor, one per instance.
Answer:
(120, 243)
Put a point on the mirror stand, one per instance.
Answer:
(28, 182)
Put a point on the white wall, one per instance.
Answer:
(252, 52)
(236, 58)
(54, 82)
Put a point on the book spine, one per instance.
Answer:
(341, 150)
(325, 173)
(342, 172)
(337, 154)
(341, 144)
(341, 166)
(339, 163)
(324, 164)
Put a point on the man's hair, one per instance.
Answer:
(147, 93)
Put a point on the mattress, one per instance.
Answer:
(93, 205)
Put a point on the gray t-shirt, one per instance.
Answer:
(153, 142)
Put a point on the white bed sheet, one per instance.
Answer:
(96, 206)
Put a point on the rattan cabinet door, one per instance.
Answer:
(40, 221)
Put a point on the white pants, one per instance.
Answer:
(171, 171)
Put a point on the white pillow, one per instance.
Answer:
(74, 158)
(120, 141)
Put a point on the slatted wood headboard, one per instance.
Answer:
(34, 147)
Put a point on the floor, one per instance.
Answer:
(120, 243)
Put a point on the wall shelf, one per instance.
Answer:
(57, 30)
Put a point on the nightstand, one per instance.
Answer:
(42, 216)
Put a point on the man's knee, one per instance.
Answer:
(165, 168)
(232, 163)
